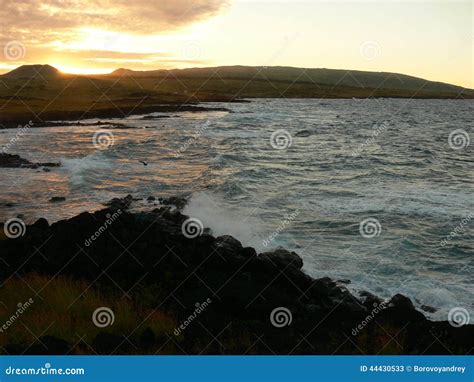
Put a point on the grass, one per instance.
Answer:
(45, 98)
(65, 307)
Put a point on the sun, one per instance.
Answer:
(68, 69)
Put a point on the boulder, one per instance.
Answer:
(400, 301)
(303, 133)
(282, 258)
(56, 199)
(15, 161)
(120, 203)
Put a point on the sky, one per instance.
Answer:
(428, 39)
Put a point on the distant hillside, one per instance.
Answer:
(331, 77)
(32, 71)
(41, 92)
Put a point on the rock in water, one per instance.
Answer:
(15, 161)
(282, 258)
(56, 199)
(303, 133)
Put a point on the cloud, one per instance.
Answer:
(88, 32)
(130, 16)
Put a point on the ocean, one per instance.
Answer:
(376, 191)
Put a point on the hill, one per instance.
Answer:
(41, 92)
(32, 71)
(331, 77)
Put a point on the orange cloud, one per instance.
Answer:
(64, 30)
(131, 16)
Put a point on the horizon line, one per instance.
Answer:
(111, 71)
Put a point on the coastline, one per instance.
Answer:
(149, 260)
(53, 118)
(74, 117)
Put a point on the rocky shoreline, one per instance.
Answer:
(15, 161)
(73, 118)
(222, 297)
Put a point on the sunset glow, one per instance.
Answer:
(431, 39)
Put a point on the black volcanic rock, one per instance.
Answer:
(15, 161)
(177, 201)
(303, 133)
(120, 203)
(282, 258)
(400, 301)
(148, 252)
(57, 199)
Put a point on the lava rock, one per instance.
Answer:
(303, 133)
(56, 199)
(120, 203)
(282, 258)
(15, 161)
(401, 301)
(178, 202)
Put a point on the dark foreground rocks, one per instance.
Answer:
(247, 303)
(15, 161)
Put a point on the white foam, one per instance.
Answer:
(225, 220)
(77, 168)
